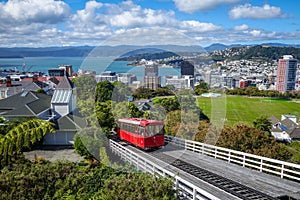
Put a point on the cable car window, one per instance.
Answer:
(154, 130)
(141, 130)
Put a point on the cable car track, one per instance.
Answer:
(232, 187)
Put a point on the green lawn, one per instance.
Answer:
(240, 109)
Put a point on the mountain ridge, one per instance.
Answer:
(119, 51)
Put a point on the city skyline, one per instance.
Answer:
(34, 23)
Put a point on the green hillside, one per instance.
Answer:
(259, 52)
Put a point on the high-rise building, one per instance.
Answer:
(151, 78)
(286, 74)
(152, 82)
(187, 68)
(151, 70)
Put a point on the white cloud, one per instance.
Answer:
(256, 12)
(130, 15)
(241, 27)
(135, 22)
(197, 26)
(191, 6)
(31, 22)
(87, 20)
(33, 11)
(255, 33)
(49, 22)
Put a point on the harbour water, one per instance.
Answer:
(98, 64)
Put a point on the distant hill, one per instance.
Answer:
(265, 52)
(104, 51)
(216, 46)
(147, 56)
(118, 51)
(219, 46)
(45, 51)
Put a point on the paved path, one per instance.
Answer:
(54, 153)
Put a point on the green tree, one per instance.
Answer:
(170, 104)
(262, 123)
(201, 88)
(134, 112)
(121, 91)
(136, 186)
(105, 116)
(120, 109)
(251, 140)
(104, 91)
(143, 93)
(24, 135)
(88, 142)
(85, 87)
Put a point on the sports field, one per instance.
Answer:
(240, 109)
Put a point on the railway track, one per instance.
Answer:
(232, 187)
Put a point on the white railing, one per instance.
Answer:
(263, 164)
(185, 188)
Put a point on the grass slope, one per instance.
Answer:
(241, 109)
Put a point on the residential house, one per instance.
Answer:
(285, 129)
(68, 120)
(59, 109)
(11, 87)
(26, 104)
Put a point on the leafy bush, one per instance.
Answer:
(67, 180)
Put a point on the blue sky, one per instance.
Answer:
(36, 23)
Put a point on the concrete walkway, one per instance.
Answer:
(54, 153)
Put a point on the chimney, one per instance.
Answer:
(8, 81)
(35, 78)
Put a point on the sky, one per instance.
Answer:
(43, 23)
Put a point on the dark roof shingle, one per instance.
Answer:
(71, 122)
(65, 83)
(25, 104)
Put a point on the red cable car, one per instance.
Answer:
(146, 134)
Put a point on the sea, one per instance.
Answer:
(98, 64)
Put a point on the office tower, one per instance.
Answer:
(151, 78)
(286, 74)
(187, 68)
(151, 70)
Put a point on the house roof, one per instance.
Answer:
(273, 130)
(274, 120)
(54, 80)
(25, 104)
(65, 83)
(15, 100)
(71, 122)
(143, 106)
(295, 134)
(289, 124)
(61, 96)
(40, 78)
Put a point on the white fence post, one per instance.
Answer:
(194, 194)
(216, 152)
